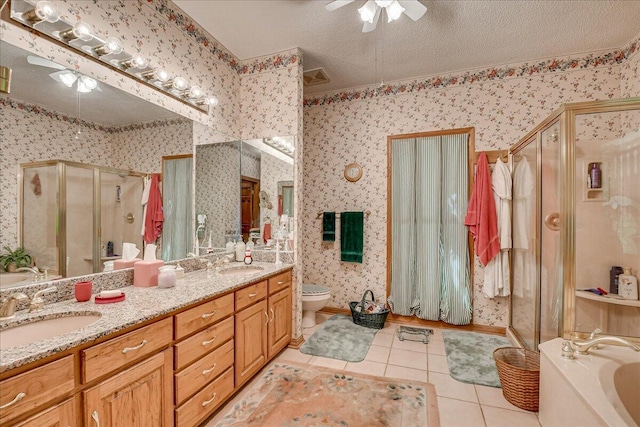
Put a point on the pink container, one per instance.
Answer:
(119, 264)
(145, 273)
(82, 291)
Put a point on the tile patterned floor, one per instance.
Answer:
(460, 404)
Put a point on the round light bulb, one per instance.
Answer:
(113, 45)
(213, 101)
(83, 31)
(46, 12)
(89, 82)
(180, 83)
(139, 61)
(162, 75)
(195, 92)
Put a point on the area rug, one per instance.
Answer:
(339, 338)
(470, 356)
(295, 395)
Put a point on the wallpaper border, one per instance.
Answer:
(54, 115)
(524, 69)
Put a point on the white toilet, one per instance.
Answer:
(314, 297)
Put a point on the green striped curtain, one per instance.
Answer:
(429, 253)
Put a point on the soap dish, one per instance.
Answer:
(99, 300)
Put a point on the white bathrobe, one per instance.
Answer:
(496, 273)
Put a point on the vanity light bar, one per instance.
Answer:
(43, 17)
(280, 144)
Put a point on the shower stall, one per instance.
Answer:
(572, 225)
(75, 216)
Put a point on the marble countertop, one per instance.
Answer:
(140, 304)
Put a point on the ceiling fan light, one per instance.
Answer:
(81, 30)
(113, 46)
(383, 3)
(44, 11)
(394, 11)
(68, 79)
(86, 84)
(368, 11)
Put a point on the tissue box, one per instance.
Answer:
(145, 273)
(119, 264)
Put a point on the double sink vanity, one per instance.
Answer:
(161, 357)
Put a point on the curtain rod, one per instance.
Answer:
(366, 214)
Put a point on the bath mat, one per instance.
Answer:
(295, 395)
(339, 338)
(470, 356)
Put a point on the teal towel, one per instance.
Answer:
(328, 226)
(351, 236)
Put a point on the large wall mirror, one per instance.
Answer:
(76, 149)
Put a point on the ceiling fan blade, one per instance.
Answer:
(413, 9)
(36, 60)
(337, 4)
(370, 26)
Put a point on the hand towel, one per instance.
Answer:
(266, 233)
(351, 236)
(481, 215)
(328, 226)
(155, 217)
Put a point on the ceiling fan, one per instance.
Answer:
(370, 12)
(84, 84)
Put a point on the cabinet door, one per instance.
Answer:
(251, 341)
(279, 321)
(62, 415)
(141, 396)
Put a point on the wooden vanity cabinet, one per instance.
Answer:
(61, 415)
(279, 327)
(251, 341)
(139, 396)
(35, 388)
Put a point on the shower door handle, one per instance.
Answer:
(552, 221)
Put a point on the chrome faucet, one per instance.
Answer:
(583, 347)
(37, 302)
(8, 307)
(39, 275)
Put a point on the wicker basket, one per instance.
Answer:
(368, 320)
(519, 371)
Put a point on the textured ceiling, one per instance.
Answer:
(451, 36)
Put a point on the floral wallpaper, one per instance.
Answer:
(501, 110)
(270, 100)
(272, 170)
(630, 76)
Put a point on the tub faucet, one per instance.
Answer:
(8, 307)
(583, 347)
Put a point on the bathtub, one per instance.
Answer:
(14, 280)
(598, 389)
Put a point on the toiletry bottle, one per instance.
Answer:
(247, 257)
(628, 285)
(240, 246)
(230, 246)
(615, 271)
(209, 245)
(595, 175)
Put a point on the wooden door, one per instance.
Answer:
(61, 415)
(251, 341)
(250, 205)
(141, 396)
(279, 321)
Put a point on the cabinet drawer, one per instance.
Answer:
(279, 282)
(247, 296)
(37, 387)
(203, 342)
(205, 402)
(196, 376)
(113, 354)
(203, 315)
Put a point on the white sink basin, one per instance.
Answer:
(38, 330)
(241, 271)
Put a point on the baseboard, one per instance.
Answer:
(296, 343)
(406, 320)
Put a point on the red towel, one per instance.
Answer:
(153, 220)
(481, 215)
(266, 234)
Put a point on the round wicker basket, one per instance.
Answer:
(519, 371)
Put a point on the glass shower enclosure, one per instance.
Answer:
(75, 216)
(572, 225)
